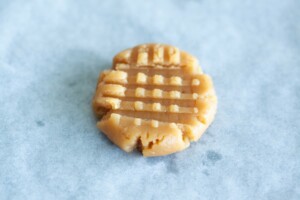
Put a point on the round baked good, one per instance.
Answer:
(155, 98)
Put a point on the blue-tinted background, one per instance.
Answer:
(52, 51)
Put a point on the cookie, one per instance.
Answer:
(155, 99)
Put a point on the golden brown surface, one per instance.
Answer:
(155, 98)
